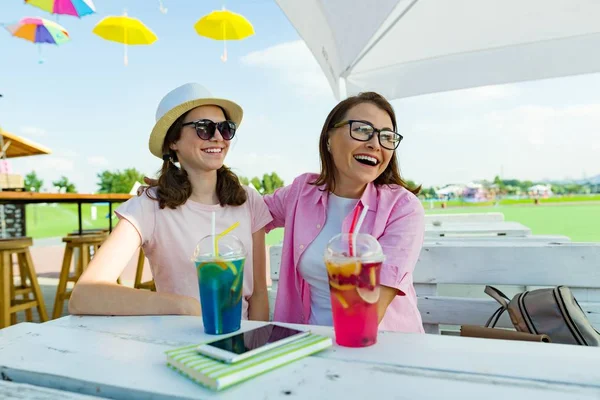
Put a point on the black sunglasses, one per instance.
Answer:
(363, 131)
(205, 128)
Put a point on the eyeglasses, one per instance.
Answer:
(205, 128)
(363, 131)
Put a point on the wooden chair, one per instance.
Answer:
(138, 284)
(87, 245)
(9, 291)
(98, 231)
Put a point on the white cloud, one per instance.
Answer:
(494, 92)
(33, 131)
(525, 142)
(257, 164)
(293, 63)
(64, 152)
(54, 163)
(98, 161)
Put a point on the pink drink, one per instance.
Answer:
(354, 288)
(354, 305)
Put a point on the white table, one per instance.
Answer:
(123, 357)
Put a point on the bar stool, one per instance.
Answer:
(138, 284)
(87, 245)
(9, 304)
(98, 231)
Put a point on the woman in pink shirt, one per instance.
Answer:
(192, 129)
(358, 165)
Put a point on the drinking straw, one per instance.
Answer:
(216, 238)
(351, 242)
(213, 232)
(363, 214)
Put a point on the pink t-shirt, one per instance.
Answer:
(395, 218)
(169, 237)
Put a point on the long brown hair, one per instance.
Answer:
(390, 176)
(174, 187)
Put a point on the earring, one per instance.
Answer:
(328, 146)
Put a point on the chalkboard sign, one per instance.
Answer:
(12, 220)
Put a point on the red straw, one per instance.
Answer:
(357, 211)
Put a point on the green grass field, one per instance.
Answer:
(510, 202)
(59, 219)
(578, 220)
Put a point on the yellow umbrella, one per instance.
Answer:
(224, 25)
(126, 30)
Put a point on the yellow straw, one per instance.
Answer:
(225, 232)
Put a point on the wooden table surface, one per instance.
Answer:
(35, 197)
(123, 357)
(7, 197)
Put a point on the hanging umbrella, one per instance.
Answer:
(126, 30)
(39, 30)
(224, 25)
(76, 8)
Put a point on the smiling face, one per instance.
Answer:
(357, 163)
(197, 154)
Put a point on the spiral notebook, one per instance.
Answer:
(217, 375)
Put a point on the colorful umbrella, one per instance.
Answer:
(39, 30)
(126, 30)
(224, 25)
(76, 8)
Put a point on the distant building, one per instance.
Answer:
(450, 192)
(543, 191)
(475, 192)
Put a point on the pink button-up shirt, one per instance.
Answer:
(395, 217)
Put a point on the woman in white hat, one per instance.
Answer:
(193, 129)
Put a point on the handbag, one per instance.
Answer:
(553, 312)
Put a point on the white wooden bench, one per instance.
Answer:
(502, 239)
(518, 264)
(466, 229)
(576, 265)
(435, 219)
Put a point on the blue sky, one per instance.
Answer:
(95, 113)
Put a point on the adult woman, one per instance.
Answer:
(358, 165)
(167, 220)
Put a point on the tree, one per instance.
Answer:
(257, 184)
(63, 183)
(267, 185)
(276, 181)
(119, 181)
(32, 182)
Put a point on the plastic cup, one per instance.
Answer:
(221, 281)
(354, 287)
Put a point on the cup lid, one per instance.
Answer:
(230, 247)
(365, 247)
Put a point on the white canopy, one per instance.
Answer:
(403, 48)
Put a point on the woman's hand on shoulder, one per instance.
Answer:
(149, 182)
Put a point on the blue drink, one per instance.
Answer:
(221, 284)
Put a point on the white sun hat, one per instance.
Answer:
(181, 100)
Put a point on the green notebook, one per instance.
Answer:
(219, 375)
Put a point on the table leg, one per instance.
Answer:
(79, 218)
(109, 216)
